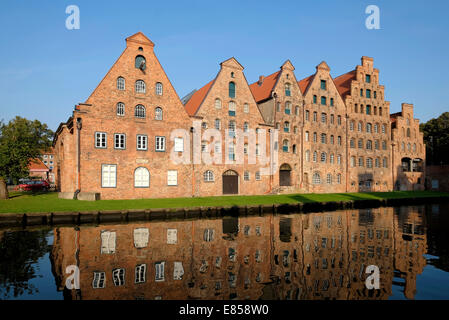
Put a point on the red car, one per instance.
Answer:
(33, 185)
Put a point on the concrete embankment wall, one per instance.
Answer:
(14, 220)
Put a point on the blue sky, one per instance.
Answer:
(46, 69)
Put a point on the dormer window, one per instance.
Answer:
(140, 62)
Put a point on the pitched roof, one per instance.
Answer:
(263, 91)
(37, 165)
(305, 83)
(343, 83)
(197, 98)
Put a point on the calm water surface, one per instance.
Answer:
(302, 256)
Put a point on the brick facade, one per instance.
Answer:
(120, 143)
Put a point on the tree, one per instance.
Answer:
(21, 140)
(436, 137)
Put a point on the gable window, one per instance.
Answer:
(368, 93)
(368, 78)
(141, 178)
(107, 242)
(140, 62)
(323, 101)
(119, 141)
(142, 142)
(172, 177)
(159, 88)
(121, 83)
(99, 280)
(140, 86)
(139, 111)
(285, 146)
(100, 140)
(287, 90)
(361, 163)
(118, 275)
(323, 84)
(332, 102)
(108, 175)
(384, 162)
(158, 113)
(287, 107)
(246, 108)
(368, 109)
(160, 144)
(140, 273)
(315, 99)
(286, 126)
(217, 103)
(231, 89)
(208, 176)
(339, 159)
(232, 108)
(120, 109)
(179, 144)
(141, 236)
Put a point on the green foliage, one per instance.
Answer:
(21, 140)
(436, 138)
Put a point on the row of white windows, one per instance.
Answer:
(323, 157)
(323, 117)
(139, 86)
(316, 178)
(369, 127)
(369, 162)
(141, 142)
(141, 177)
(323, 138)
(139, 111)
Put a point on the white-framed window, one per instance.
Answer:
(208, 235)
(99, 280)
(100, 140)
(160, 271)
(141, 178)
(232, 108)
(217, 124)
(119, 141)
(142, 142)
(246, 176)
(172, 177)
(108, 175)
(120, 109)
(160, 144)
(45, 156)
(178, 270)
(323, 157)
(339, 159)
(257, 176)
(231, 128)
(179, 144)
(107, 242)
(172, 236)
(246, 108)
(316, 179)
(158, 113)
(307, 136)
(139, 111)
(141, 236)
(118, 275)
(159, 88)
(208, 176)
(121, 83)
(217, 103)
(140, 273)
(140, 86)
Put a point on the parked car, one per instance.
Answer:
(33, 185)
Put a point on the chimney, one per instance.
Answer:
(260, 80)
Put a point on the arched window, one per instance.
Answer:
(414, 147)
(285, 146)
(360, 144)
(217, 103)
(294, 148)
(231, 90)
(351, 125)
(329, 178)
(278, 125)
(332, 139)
(368, 127)
(246, 108)
(323, 138)
(287, 90)
(369, 162)
(286, 126)
(208, 176)
(232, 108)
(121, 83)
(288, 106)
(376, 128)
(316, 178)
(380, 111)
(141, 178)
(140, 86)
(352, 143)
(159, 88)
(360, 127)
(369, 145)
(339, 159)
(315, 156)
(139, 111)
(384, 128)
(331, 158)
(158, 113)
(140, 62)
(120, 109)
(307, 155)
(323, 157)
(385, 162)
(297, 110)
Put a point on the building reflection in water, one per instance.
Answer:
(301, 256)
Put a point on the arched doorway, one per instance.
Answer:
(230, 182)
(285, 175)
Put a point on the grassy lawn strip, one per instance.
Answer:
(49, 202)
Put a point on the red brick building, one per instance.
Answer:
(135, 138)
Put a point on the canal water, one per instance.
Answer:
(300, 256)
